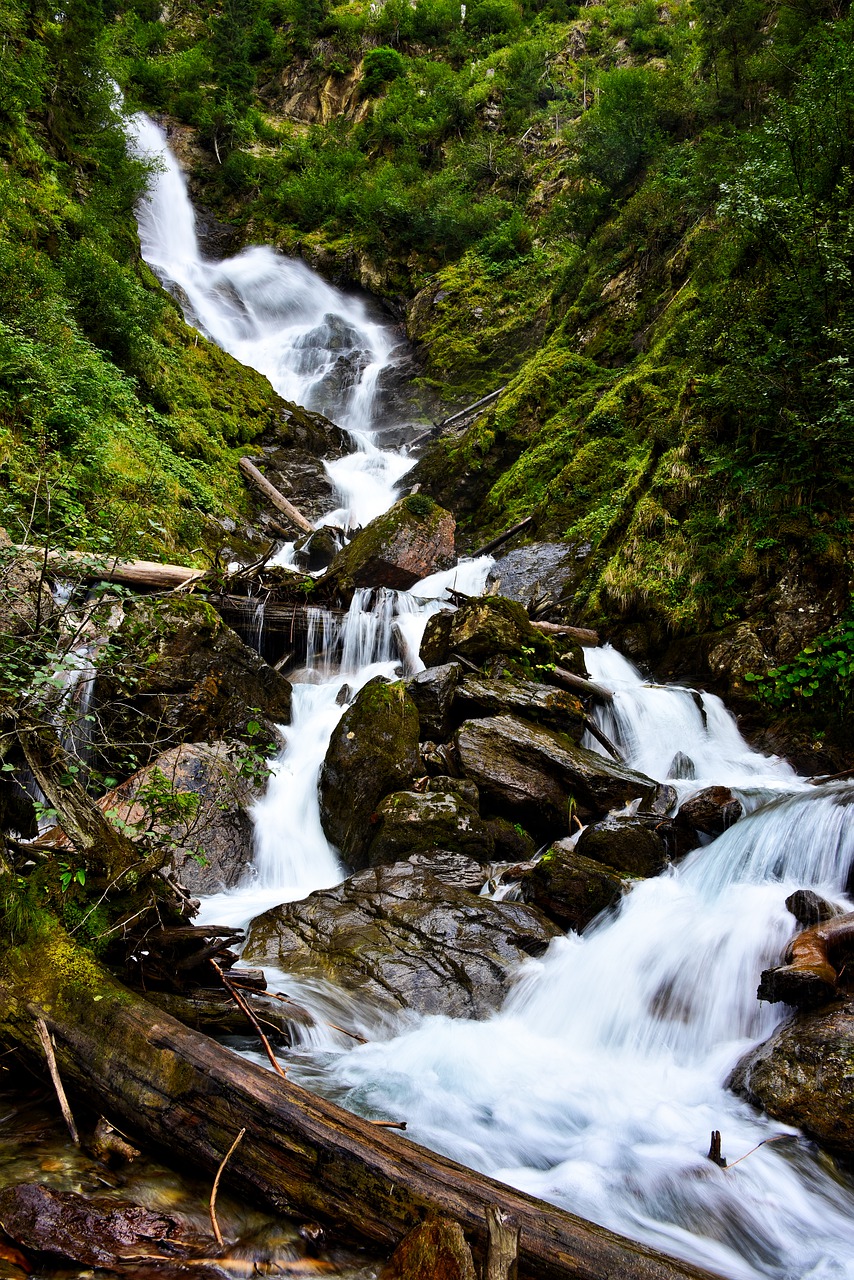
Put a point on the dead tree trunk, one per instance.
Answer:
(178, 1089)
(277, 498)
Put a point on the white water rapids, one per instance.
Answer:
(598, 1084)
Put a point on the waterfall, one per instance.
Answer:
(318, 346)
(598, 1084)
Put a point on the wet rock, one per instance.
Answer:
(373, 751)
(625, 845)
(405, 939)
(803, 1075)
(432, 691)
(539, 777)
(451, 868)
(711, 811)
(682, 766)
(512, 842)
(413, 822)
(83, 1229)
(570, 888)
(809, 908)
(318, 550)
(459, 786)
(176, 673)
(528, 572)
(543, 704)
(408, 542)
(434, 1250)
(484, 629)
(209, 840)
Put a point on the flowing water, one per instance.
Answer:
(598, 1083)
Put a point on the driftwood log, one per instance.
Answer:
(578, 684)
(183, 1092)
(583, 635)
(87, 566)
(278, 499)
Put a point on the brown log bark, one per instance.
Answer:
(156, 1078)
(577, 684)
(151, 574)
(583, 635)
(273, 495)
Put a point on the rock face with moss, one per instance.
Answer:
(570, 888)
(174, 672)
(540, 778)
(802, 1075)
(405, 939)
(626, 845)
(412, 539)
(487, 628)
(414, 822)
(373, 751)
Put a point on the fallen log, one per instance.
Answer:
(190, 1096)
(583, 635)
(502, 538)
(87, 566)
(277, 498)
(432, 432)
(578, 684)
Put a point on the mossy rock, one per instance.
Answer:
(411, 540)
(484, 629)
(372, 752)
(570, 888)
(625, 845)
(412, 822)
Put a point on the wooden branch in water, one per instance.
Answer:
(274, 495)
(44, 1037)
(583, 635)
(578, 684)
(189, 1095)
(602, 738)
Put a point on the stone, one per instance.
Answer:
(176, 673)
(85, 1229)
(411, 540)
(432, 691)
(372, 752)
(804, 1075)
(451, 868)
(541, 703)
(711, 811)
(626, 845)
(484, 629)
(540, 778)
(434, 1250)
(317, 550)
(209, 846)
(404, 939)
(809, 908)
(682, 766)
(570, 888)
(25, 599)
(512, 842)
(413, 822)
(459, 786)
(528, 571)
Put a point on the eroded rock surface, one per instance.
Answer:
(405, 939)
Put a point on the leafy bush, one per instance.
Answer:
(379, 68)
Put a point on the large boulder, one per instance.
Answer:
(528, 573)
(804, 1075)
(432, 691)
(372, 752)
(173, 673)
(411, 540)
(540, 778)
(628, 845)
(571, 889)
(404, 939)
(486, 628)
(477, 696)
(711, 812)
(415, 822)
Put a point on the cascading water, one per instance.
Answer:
(318, 346)
(599, 1082)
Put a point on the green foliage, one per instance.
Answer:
(379, 67)
(820, 677)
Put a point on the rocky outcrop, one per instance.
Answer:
(539, 777)
(483, 629)
(570, 888)
(176, 673)
(25, 599)
(415, 822)
(411, 540)
(373, 751)
(626, 845)
(433, 691)
(542, 568)
(803, 1075)
(195, 803)
(543, 704)
(404, 939)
